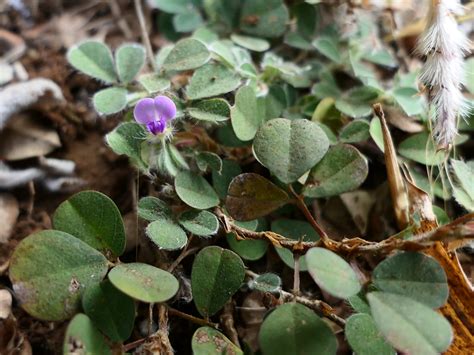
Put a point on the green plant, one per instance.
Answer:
(296, 129)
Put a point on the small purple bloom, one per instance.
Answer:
(155, 113)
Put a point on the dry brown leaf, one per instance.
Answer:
(9, 211)
(24, 137)
(394, 175)
(358, 204)
(402, 122)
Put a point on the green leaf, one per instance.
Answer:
(162, 54)
(381, 57)
(49, 271)
(328, 47)
(342, 169)
(353, 108)
(264, 18)
(212, 80)
(252, 43)
(290, 148)
(463, 198)
(221, 181)
(95, 219)
(166, 234)
(376, 133)
(126, 139)
(205, 160)
(201, 223)
(268, 282)
(130, 59)
(189, 53)
(173, 7)
(332, 273)
(252, 196)
(82, 337)
(297, 230)
(154, 83)
(414, 275)
(359, 303)
(465, 176)
(246, 114)
(187, 21)
(364, 337)
(411, 327)
(420, 148)
(144, 282)
(294, 329)
(410, 100)
(195, 191)
(355, 131)
(248, 249)
(109, 101)
(152, 208)
(94, 59)
(111, 311)
(211, 110)
(207, 340)
(216, 275)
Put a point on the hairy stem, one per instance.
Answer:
(145, 38)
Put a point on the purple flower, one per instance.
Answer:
(155, 113)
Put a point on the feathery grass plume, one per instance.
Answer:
(444, 46)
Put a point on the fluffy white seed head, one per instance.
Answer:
(444, 46)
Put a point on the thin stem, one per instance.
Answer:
(145, 38)
(191, 318)
(296, 274)
(302, 206)
(133, 345)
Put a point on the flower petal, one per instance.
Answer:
(144, 111)
(165, 107)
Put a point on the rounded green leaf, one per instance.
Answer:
(189, 53)
(268, 282)
(195, 191)
(410, 100)
(364, 337)
(294, 329)
(202, 223)
(342, 169)
(247, 249)
(376, 133)
(83, 338)
(247, 114)
(420, 148)
(126, 139)
(290, 148)
(353, 108)
(110, 100)
(413, 275)
(251, 196)
(129, 59)
(187, 21)
(209, 160)
(411, 327)
(49, 271)
(221, 181)
(173, 7)
(166, 234)
(212, 80)
(328, 46)
(332, 273)
(252, 43)
(144, 282)
(112, 311)
(216, 275)
(154, 83)
(297, 230)
(212, 110)
(152, 208)
(264, 18)
(355, 131)
(95, 219)
(207, 340)
(94, 59)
